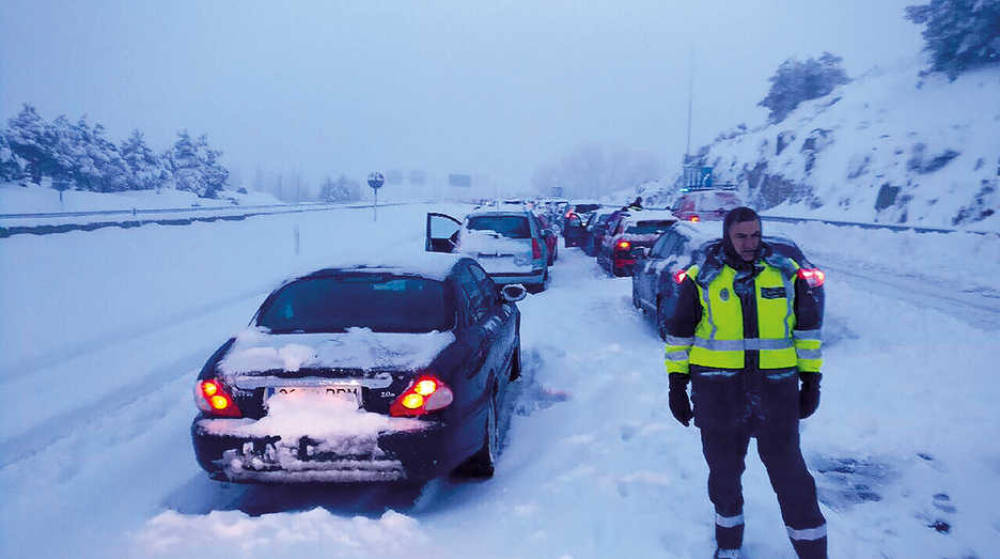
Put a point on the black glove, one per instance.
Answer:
(680, 406)
(809, 394)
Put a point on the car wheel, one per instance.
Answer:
(482, 463)
(661, 320)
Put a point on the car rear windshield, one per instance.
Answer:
(648, 227)
(510, 226)
(381, 303)
(585, 208)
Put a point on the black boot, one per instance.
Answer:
(810, 549)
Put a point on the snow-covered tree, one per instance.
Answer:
(32, 139)
(146, 170)
(91, 159)
(215, 174)
(196, 167)
(959, 34)
(795, 82)
(341, 190)
(11, 166)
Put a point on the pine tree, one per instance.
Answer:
(214, 173)
(795, 82)
(959, 34)
(196, 167)
(145, 168)
(86, 158)
(32, 139)
(11, 166)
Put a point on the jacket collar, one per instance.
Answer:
(716, 257)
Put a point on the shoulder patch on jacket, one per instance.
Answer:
(787, 266)
(711, 264)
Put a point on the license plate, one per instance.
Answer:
(347, 392)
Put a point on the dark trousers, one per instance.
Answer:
(725, 451)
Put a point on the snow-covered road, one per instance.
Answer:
(103, 333)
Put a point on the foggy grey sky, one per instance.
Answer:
(449, 86)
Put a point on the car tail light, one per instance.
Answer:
(424, 395)
(694, 219)
(623, 245)
(679, 276)
(536, 249)
(813, 276)
(570, 214)
(213, 397)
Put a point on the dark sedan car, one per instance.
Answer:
(594, 229)
(660, 269)
(363, 373)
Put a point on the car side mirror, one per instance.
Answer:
(513, 293)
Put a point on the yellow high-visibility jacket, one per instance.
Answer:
(719, 340)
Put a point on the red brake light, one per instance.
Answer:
(423, 396)
(214, 398)
(813, 276)
(679, 276)
(694, 219)
(536, 250)
(624, 245)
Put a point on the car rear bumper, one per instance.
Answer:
(411, 454)
(535, 277)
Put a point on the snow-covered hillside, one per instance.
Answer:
(888, 147)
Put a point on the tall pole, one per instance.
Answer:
(687, 147)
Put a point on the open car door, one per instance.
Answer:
(441, 232)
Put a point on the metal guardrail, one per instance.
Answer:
(874, 225)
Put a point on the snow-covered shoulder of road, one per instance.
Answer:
(18, 198)
(104, 333)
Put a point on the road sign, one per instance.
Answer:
(376, 180)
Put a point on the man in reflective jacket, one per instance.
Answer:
(746, 332)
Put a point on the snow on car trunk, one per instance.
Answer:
(255, 350)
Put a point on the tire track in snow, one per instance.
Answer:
(49, 358)
(979, 308)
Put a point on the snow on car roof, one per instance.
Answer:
(498, 212)
(651, 215)
(698, 231)
(430, 265)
